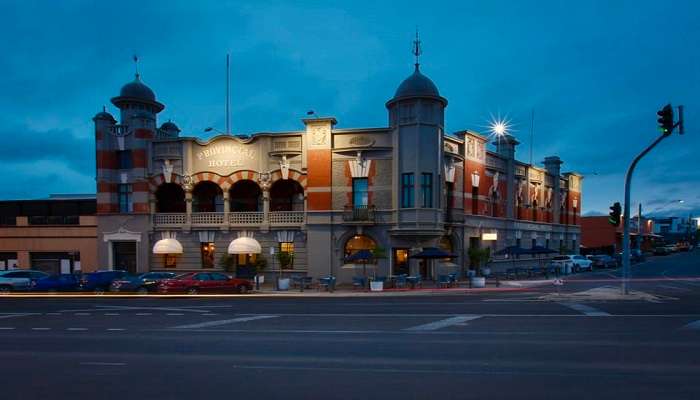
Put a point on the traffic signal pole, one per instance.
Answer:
(627, 215)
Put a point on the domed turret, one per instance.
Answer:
(417, 85)
(104, 115)
(169, 129)
(136, 92)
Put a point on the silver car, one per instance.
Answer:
(19, 279)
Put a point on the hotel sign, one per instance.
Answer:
(224, 157)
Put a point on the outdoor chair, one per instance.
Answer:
(454, 278)
(328, 283)
(400, 281)
(444, 281)
(358, 282)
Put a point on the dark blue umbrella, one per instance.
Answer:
(540, 250)
(363, 255)
(433, 252)
(511, 250)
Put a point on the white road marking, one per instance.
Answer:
(16, 315)
(209, 315)
(41, 329)
(443, 323)
(6, 328)
(76, 329)
(174, 313)
(586, 310)
(223, 322)
(115, 329)
(112, 313)
(143, 313)
(695, 325)
(675, 288)
(107, 364)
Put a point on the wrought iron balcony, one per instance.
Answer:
(359, 214)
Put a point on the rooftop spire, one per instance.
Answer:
(136, 68)
(417, 49)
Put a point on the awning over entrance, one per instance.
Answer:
(244, 245)
(167, 246)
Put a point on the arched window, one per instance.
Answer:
(245, 195)
(207, 196)
(170, 198)
(286, 195)
(357, 243)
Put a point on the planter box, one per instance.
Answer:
(478, 281)
(376, 286)
(283, 284)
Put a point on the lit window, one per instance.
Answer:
(360, 194)
(207, 250)
(287, 247)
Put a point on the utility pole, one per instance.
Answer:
(666, 127)
(639, 227)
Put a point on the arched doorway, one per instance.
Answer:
(170, 198)
(357, 243)
(245, 195)
(286, 195)
(207, 196)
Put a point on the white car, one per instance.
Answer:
(575, 262)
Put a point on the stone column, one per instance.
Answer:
(505, 146)
(227, 209)
(553, 166)
(188, 210)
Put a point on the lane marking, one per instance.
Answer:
(209, 315)
(443, 323)
(174, 313)
(586, 310)
(695, 325)
(143, 313)
(112, 313)
(76, 329)
(41, 329)
(104, 364)
(16, 315)
(115, 329)
(6, 328)
(223, 322)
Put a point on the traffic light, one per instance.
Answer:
(666, 119)
(615, 213)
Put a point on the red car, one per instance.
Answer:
(204, 282)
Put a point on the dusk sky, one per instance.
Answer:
(594, 72)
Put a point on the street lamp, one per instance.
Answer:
(475, 179)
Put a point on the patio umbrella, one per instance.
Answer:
(432, 253)
(363, 256)
(511, 250)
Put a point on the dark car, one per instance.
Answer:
(204, 282)
(141, 284)
(100, 281)
(661, 251)
(57, 283)
(603, 261)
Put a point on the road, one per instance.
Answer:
(500, 345)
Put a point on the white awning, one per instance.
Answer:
(167, 246)
(244, 245)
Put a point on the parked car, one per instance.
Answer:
(603, 261)
(574, 261)
(100, 281)
(57, 283)
(204, 282)
(661, 251)
(141, 284)
(15, 280)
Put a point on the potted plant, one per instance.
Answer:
(260, 265)
(286, 260)
(377, 253)
(227, 262)
(477, 258)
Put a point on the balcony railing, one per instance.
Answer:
(359, 213)
(207, 218)
(252, 218)
(246, 218)
(286, 217)
(169, 219)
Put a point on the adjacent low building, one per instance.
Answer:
(55, 235)
(167, 201)
(599, 236)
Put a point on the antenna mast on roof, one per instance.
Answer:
(136, 67)
(417, 48)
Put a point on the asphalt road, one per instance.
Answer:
(481, 346)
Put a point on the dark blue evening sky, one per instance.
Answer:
(594, 72)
